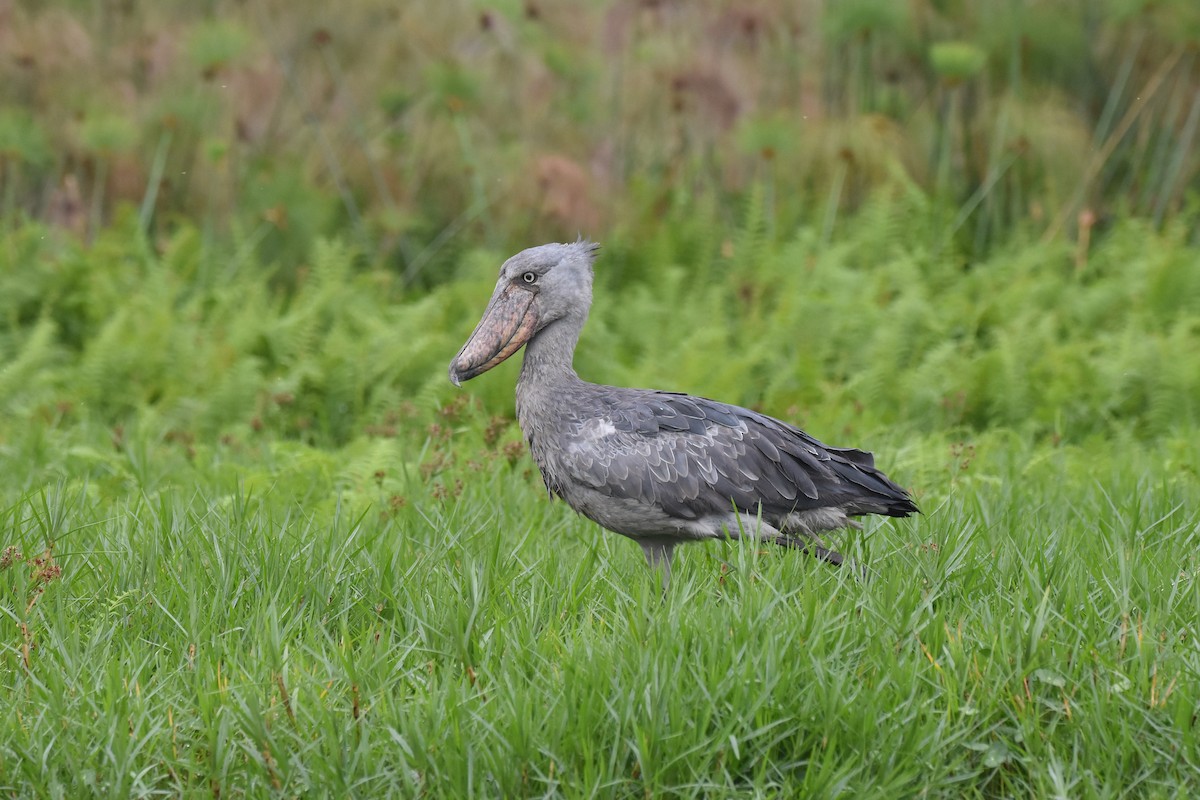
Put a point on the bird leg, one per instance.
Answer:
(811, 546)
(658, 555)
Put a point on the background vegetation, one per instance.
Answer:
(416, 130)
(254, 543)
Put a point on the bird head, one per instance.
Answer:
(536, 288)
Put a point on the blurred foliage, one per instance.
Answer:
(956, 61)
(411, 126)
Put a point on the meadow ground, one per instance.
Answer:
(1035, 633)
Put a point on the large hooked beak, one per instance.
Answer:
(510, 319)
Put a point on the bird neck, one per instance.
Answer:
(550, 353)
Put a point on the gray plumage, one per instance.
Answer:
(659, 467)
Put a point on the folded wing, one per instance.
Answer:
(692, 457)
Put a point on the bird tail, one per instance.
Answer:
(881, 495)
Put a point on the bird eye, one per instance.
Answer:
(529, 277)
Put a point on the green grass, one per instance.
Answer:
(1035, 633)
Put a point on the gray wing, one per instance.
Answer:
(693, 457)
